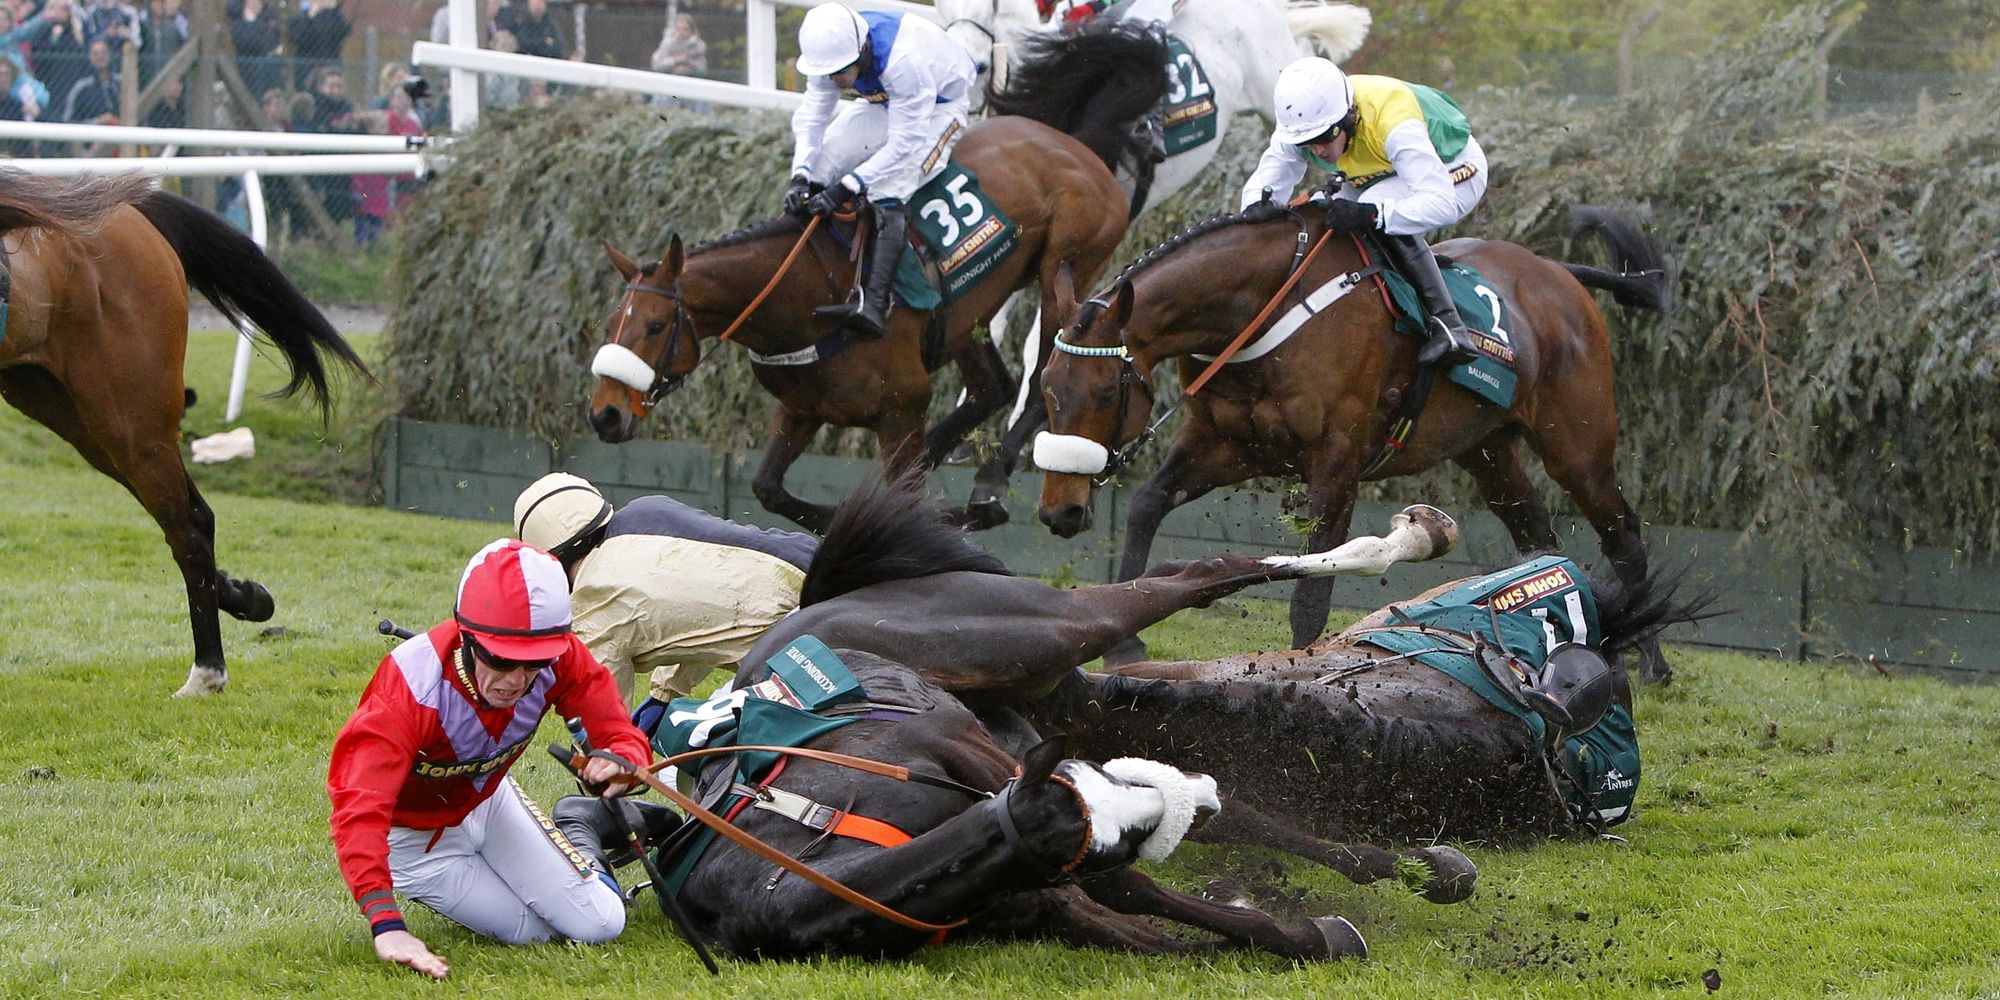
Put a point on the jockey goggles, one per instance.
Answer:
(500, 664)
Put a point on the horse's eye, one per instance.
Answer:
(655, 328)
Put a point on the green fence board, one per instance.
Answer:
(473, 449)
(690, 473)
(1961, 643)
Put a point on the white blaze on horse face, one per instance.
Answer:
(1186, 797)
(620, 365)
(1115, 808)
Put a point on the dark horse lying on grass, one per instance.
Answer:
(1395, 750)
(975, 841)
(93, 343)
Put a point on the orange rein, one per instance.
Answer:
(1256, 324)
(811, 227)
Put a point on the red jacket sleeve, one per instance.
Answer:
(372, 757)
(587, 691)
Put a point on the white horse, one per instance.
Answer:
(1239, 45)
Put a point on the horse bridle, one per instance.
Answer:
(1128, 376)
(662, 385)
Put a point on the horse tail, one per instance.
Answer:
(1639, 279)
(1091, 84)
(80, 205)
(1632, 613)
(1336, 30)
(889, 529)
(229, 269)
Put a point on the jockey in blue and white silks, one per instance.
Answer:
(915, 83)
(1409, 162)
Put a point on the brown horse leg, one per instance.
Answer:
(987, 387)
(1495, 465)
(1330, 506)
(1128, 890)
(1194, 465)
(1585, 471)
(1451, 879)
(790, 434)
(151, 470)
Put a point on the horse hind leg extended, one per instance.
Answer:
(153, 473)
(1449, 876)
(1130, 891)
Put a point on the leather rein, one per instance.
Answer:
(750, 842)
(644, 402)
(1129, 375)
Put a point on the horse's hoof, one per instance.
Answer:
(986, 513)
(248, 601)
(1453, 875)
(203, 681)
(1342, 939)
(962, 455)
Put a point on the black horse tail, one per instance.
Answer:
(1638, 279)
(1092, 84)
(889, 529)
(229, 269)
(29, 201)
(1633, 613)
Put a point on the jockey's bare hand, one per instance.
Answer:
(404, 948)
(600, 772)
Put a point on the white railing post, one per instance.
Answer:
(761, 44)
(239, 373)
(464, 22)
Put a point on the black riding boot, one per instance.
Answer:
(1449, 342)
(587, 823)
(868, 317)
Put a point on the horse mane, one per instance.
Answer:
(761, 229)
(889, 529)
(1630, 614)
(1259, 212)
(1090, 84)
(77, 205)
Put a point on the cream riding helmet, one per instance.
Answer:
(830, 39)
(1312, 96)
(559, 513)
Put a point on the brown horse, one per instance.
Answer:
(95, 340)
(1320, 406)
(1058, 188)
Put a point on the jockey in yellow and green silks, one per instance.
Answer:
(1409, 163)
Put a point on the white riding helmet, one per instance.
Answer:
(830, 39)
(559, 510)
(1312, 95)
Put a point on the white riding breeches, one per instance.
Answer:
(1471, 164)
(859, 128)
(506, 872)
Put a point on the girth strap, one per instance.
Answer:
(820, 816)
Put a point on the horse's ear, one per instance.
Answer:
(625, 265)
(1041, 760)
(1065, 292)
(675, 258)
(1122, 305)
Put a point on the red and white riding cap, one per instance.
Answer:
(515, 599)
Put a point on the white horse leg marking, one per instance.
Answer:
(1417, 533)
(202, 680)
(1031, 356)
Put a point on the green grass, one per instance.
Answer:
(340, 274)
(1804, 830)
